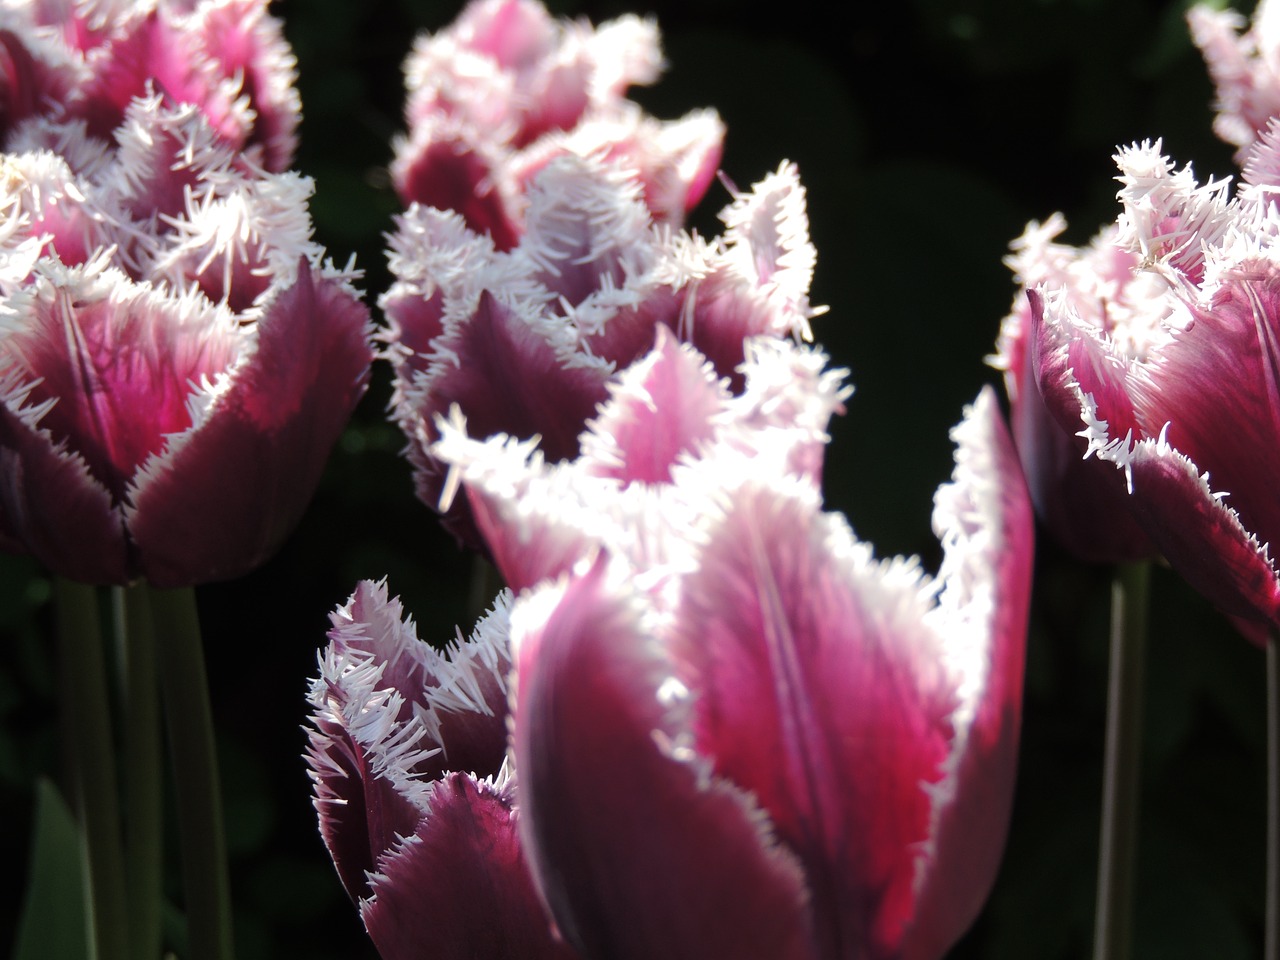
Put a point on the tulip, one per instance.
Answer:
(526, 342)
(505, 89)
(177, 357)
(414, 789)
(1186, 407)
(74, 63)
(1243, 65)
(1080, 501)
(735, 732)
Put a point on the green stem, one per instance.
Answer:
(1272, 944)
(88, 708)
(195, 772)
(140, 703)
(1121, 764)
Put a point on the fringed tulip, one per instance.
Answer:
(505, 89)
(176, 356)
(1081, 501)
(1244, 67)
(1188, 408)
(526, 342)
(736, 733)
(414, 790)
(86, 62)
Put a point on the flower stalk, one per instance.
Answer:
(140, 711)
(1121, 763)
(92, 755)
(195, 771)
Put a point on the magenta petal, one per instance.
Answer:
(1217, 387)
(223, 496)
(984, 520)
(638, 850)
(660, 408)
(821, 692)
(1206, 545)
(458, 888)
(82, 535)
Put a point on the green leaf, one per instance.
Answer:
(52, 925)
(53, 917)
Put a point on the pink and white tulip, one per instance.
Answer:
(526, 342)
(177, 356)
(85, 63)
(1081, 501)
(414, 789)
(736, 732)
(1244, 64)
(1187, 404)
(505, 89)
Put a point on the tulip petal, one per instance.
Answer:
(983, 518)
(252, 455)
(1208, 546)
(391, 714)
(821, 690)
(458, 887)
(84, 538)
(638, 851)
(661, 407)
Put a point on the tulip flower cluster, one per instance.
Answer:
(702, 719)
(177, 356)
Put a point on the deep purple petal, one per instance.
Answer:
(820, 690)
(458, 888)
(638, 850)
(509, 379)
(51, 505)
(224, 495)
(1200, 535)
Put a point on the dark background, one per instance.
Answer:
(927, 134)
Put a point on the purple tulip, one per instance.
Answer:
(1081, 501)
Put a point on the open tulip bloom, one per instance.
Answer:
(176, 356)
(526, 342)
(733, 731)
(505, 89)
(1187, 403)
